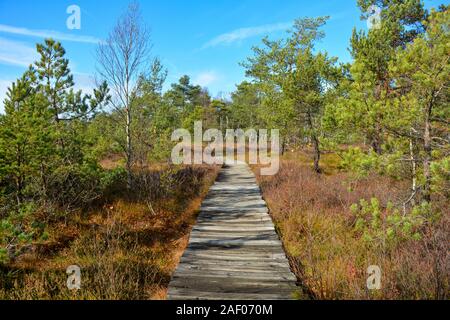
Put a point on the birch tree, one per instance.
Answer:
(122, 58)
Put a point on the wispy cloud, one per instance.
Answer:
(83, 81)
(4, 85)
(205, 79)
(16, 53)
(245, 33)
(48, 34)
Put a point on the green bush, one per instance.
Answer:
(18, 229)
(358, 162)
(388, 227)
(441, 177)
(74, 186)
(113, 181)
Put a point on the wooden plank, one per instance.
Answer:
(274, 257)
(235, 242)
(185, 294)
(231, 223)
(227, 255)
(234, 209)
(233, 227)
(242, 251)
(285, 291)
(234, 251)
(256, 203)
(233, 196)
(239, 188)
(235, 263)
(191, 279)
(235, 224)
(249, 234)
(201, 283)
(235, 274)
(237, 193)
(233, 268)
(232, 286)
(229, 239)
(244, 219)
(234, 215)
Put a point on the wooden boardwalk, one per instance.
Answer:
(234, 251)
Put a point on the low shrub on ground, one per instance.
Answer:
(333, 228)
(127, 243)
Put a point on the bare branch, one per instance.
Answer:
(121, 59)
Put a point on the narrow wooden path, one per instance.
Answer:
(234, 251)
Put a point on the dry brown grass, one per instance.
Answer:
(312, 215)
(127, 249)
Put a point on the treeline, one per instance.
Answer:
(387, 112)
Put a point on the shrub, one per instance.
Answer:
(74, 186)
(113, 181)
(386, 228)
(359, 162)
(323, 238)
(19, 229)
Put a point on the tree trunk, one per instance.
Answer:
(428, 151)
(44, 180)
(413, 168)
(129, 152)
(317, 153)
(376, 141)
(316, 143)
(19, 178)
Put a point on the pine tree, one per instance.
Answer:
(419, 111)
(370, 88)
(25, 137)
(291, 70)
(246, 102)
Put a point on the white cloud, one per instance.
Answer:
(245, 33)
(48, 34)
(4, 85)
(205, 79)
(83, 81)
(16, 53)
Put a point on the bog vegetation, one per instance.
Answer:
(365, 178)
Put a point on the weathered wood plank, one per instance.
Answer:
(249, 234)
(234, 209)
(239, 285)
(234, 286)
(236, 217)
(248, 258)
(236, 263)
(234, 242)
(232, 227)
(232, 268)
(241, 251)
(187, 294)
(245, 220)
(235, 275)
(263, 252)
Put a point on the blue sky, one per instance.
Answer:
(205, 39)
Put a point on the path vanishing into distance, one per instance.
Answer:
(234, 251)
